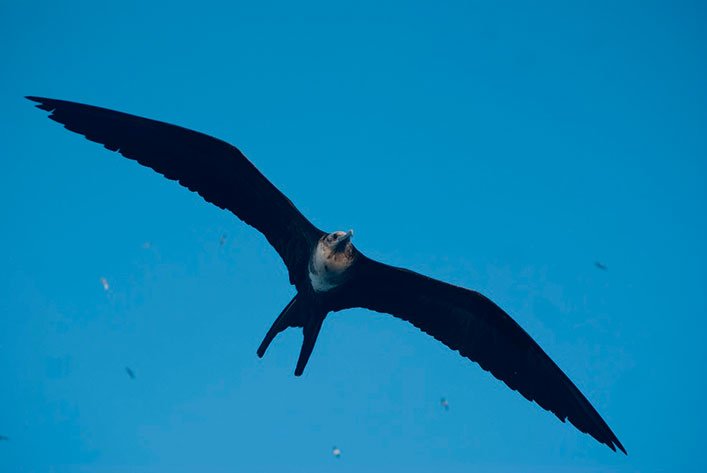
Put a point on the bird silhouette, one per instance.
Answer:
(328, 271)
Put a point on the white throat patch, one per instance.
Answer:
(326, 269)
(321, 283)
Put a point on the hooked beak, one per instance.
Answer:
(341, 244)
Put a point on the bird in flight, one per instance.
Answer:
(130, 372)
(601, 265)
(328, 271)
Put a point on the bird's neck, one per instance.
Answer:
(327, 268)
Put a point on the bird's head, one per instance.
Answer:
(330, 260)
(338, 242)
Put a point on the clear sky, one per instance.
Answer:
(502, 146)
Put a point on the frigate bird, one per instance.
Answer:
(329, 273)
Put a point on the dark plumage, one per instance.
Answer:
(329, 273)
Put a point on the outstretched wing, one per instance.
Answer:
(214, 169)
(467, 321)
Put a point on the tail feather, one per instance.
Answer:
(283, 321)
(310, 332)
(298, 313)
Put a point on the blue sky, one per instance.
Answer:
(502, 146)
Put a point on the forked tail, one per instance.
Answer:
(298, 313)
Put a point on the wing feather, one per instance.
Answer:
(214, 169)
(478, 329)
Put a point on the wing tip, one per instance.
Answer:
(620, 447)
(610, 440)
(43, 102)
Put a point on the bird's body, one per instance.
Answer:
(328, 272)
